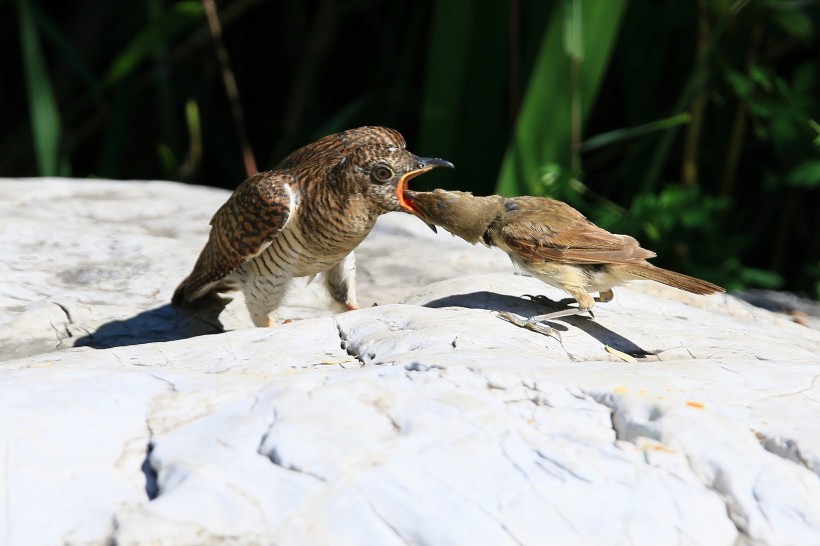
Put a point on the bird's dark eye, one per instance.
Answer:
(382, 173)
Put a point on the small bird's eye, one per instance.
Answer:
(382, 173)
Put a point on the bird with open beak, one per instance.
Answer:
(553, 242)
(304, 218)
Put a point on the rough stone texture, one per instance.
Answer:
(424, 420)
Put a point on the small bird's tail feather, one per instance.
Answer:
(676, 280)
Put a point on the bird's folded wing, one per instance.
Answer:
(577, 242)
(242, 228)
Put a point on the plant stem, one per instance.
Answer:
(230, 87)
(689, 171)
(514, 47)
(317, 41)
(735, 146)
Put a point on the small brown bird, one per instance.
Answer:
(303, 218)
(553, 242)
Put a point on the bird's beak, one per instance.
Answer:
(407, 198)
(424, 164)
(411, 204)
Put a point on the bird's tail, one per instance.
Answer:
(180, 296)
(676, 280)
(193, 289)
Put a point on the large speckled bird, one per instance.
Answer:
(303, 218)
(553, 242)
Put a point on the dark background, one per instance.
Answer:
(690, 125)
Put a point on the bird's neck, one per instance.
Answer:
(334, 205)
(473, 222)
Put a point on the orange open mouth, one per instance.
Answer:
(402, 186)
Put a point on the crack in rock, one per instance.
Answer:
(66, 311)
(625, 425)
(720, 486)
(170, 384)
(417, 366)
(386, 522)
(629, 426)
(787, 448)
(627, 429)
(346, 346)
(605, 400)
(151, 476)
(273, 456)
(64, 332)
(271, 452)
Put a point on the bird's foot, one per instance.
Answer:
(540, 299)
(544, 300)
(532, 323)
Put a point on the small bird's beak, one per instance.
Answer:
(411, 204)
(424, 164)
(407, 198)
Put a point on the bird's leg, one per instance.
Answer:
(263, 294)
(603, 297)
(340, 281)
(584, 300)
(582, 297)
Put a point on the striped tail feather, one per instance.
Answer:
(191, 290)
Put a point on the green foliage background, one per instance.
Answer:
(690, 125)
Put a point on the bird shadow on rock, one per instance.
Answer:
(165, 323)
(492, 301)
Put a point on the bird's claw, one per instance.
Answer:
(539, 298)
(529, 324)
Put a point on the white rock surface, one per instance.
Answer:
(425, 420)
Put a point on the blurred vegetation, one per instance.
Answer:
(691, 125)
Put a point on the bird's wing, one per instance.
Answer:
(554, 231)
(242, 228)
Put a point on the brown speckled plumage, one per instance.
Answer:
(303, 218)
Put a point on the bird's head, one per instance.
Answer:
(378, 166)
(461, 213)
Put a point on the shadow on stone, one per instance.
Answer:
(527, 308)
(166, 323)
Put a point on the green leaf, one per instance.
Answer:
(447, 61)
(71, 57)
(816, 127)
(797, 23)
(740, 83)
(45, 116)
(574, 29)
(740, 277)
(761, 77)
(469, 87)
(805, 175)
(177, 18)
(752, 276)
(619, 135)
(543, 132)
